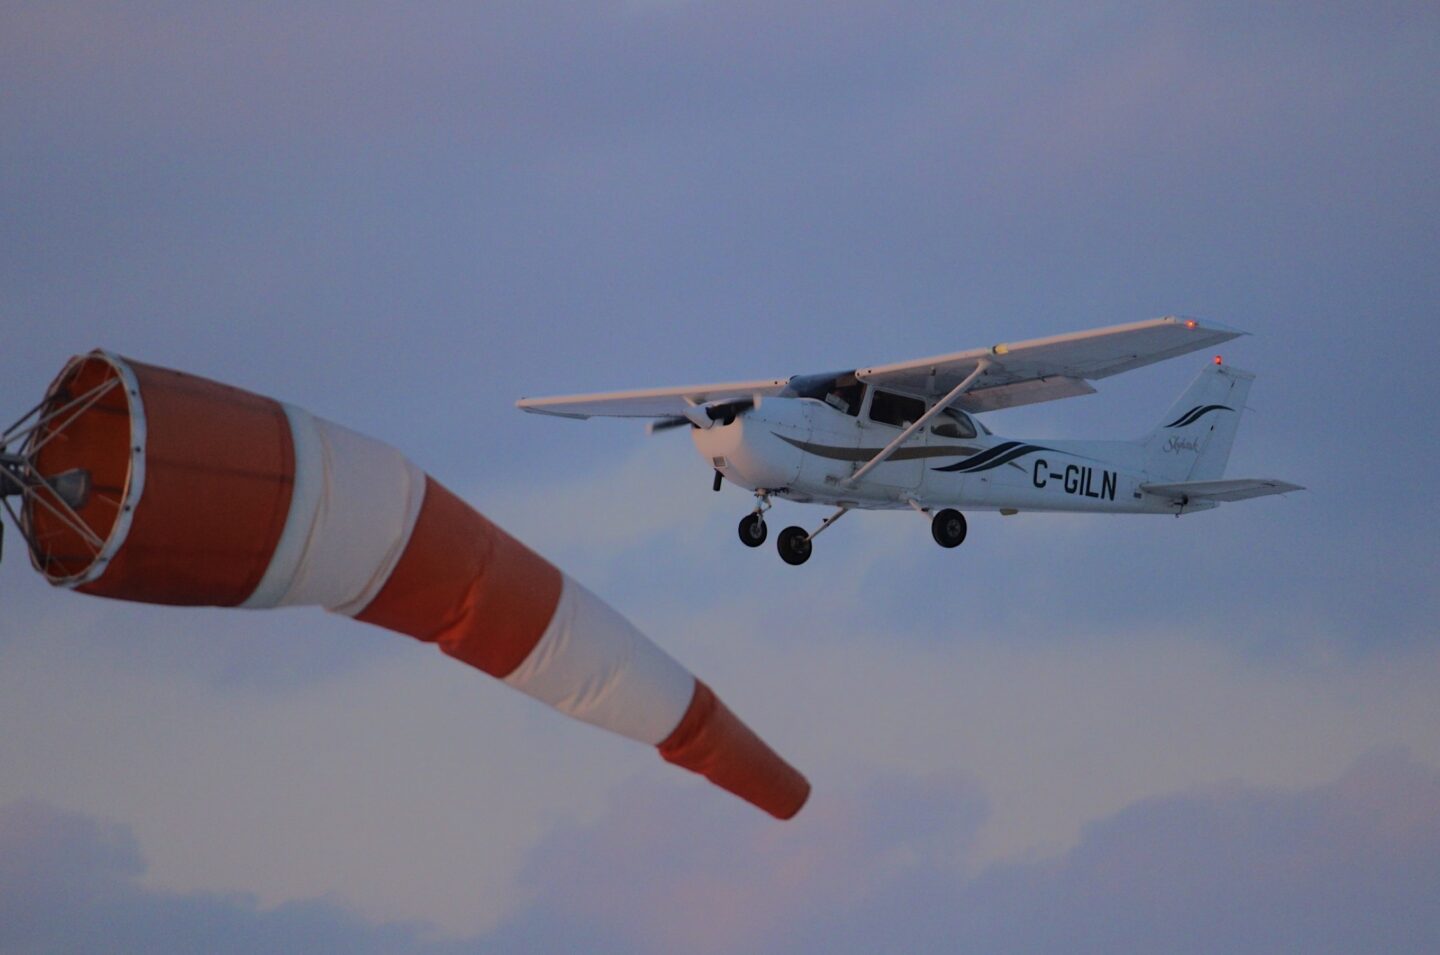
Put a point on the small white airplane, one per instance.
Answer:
(903, 436)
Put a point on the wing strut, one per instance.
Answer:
(920, 422)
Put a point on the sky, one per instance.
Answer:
(1074, 733)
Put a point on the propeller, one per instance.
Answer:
(704, 416)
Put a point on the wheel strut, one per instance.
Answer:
(752, 528)
(826, 523)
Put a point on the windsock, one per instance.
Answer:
(162, 487)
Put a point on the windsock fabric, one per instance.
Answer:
(204, 494)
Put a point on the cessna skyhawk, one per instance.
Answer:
(903, 435)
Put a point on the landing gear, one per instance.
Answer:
(948, 528)
(794, 545)
(752, 529)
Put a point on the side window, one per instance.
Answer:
(954, 424)
(897, 410)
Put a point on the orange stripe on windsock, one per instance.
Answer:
(466, 585)
(712, 741)
(219, 469)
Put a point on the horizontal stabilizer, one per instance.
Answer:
(1238, 489)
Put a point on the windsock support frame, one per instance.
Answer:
(60, 496)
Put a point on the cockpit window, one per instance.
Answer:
(898, 410)
(954, 424)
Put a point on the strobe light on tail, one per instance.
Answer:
(140, 483)
(904, 436)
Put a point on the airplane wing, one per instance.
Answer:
(1021, 373)
(649, 402)
(1236, 489)
(1044, 369)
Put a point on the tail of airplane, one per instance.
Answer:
(1193, 442)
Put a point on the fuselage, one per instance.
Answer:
(805, 449)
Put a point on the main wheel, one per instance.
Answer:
(794, 545)
(752, 530)
(948, 528)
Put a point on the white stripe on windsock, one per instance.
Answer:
(594, 665)
(352, 510)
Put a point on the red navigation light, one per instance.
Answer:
(1191, 323)
(1219, 360)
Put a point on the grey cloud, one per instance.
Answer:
(69, 883)
(1352, 865)
(271, 652)
(1349, 866)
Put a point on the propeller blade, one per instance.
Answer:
(719, 412)
(726, 412)
(665, 424)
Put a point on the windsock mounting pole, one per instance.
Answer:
(12, 481)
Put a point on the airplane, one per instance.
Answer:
(905, 435)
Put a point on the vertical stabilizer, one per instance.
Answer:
(1193, 442)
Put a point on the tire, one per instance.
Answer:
(793, 545)
(752, 530)
(948, 528)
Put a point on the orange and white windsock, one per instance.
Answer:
(203, 494)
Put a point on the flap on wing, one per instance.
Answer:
(1238, 489)
(1075, 357)
(1022, 393)
(648, 402)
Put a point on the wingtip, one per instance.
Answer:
(527, 405)
(1205, 325)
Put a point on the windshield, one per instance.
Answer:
(840, 390)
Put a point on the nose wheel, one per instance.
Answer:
(752, 530)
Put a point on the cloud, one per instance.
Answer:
(294, 791)
(441, 773)
(655, 875)
(71, 883)
(1347, 866)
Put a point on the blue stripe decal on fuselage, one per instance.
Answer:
(993, 458)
